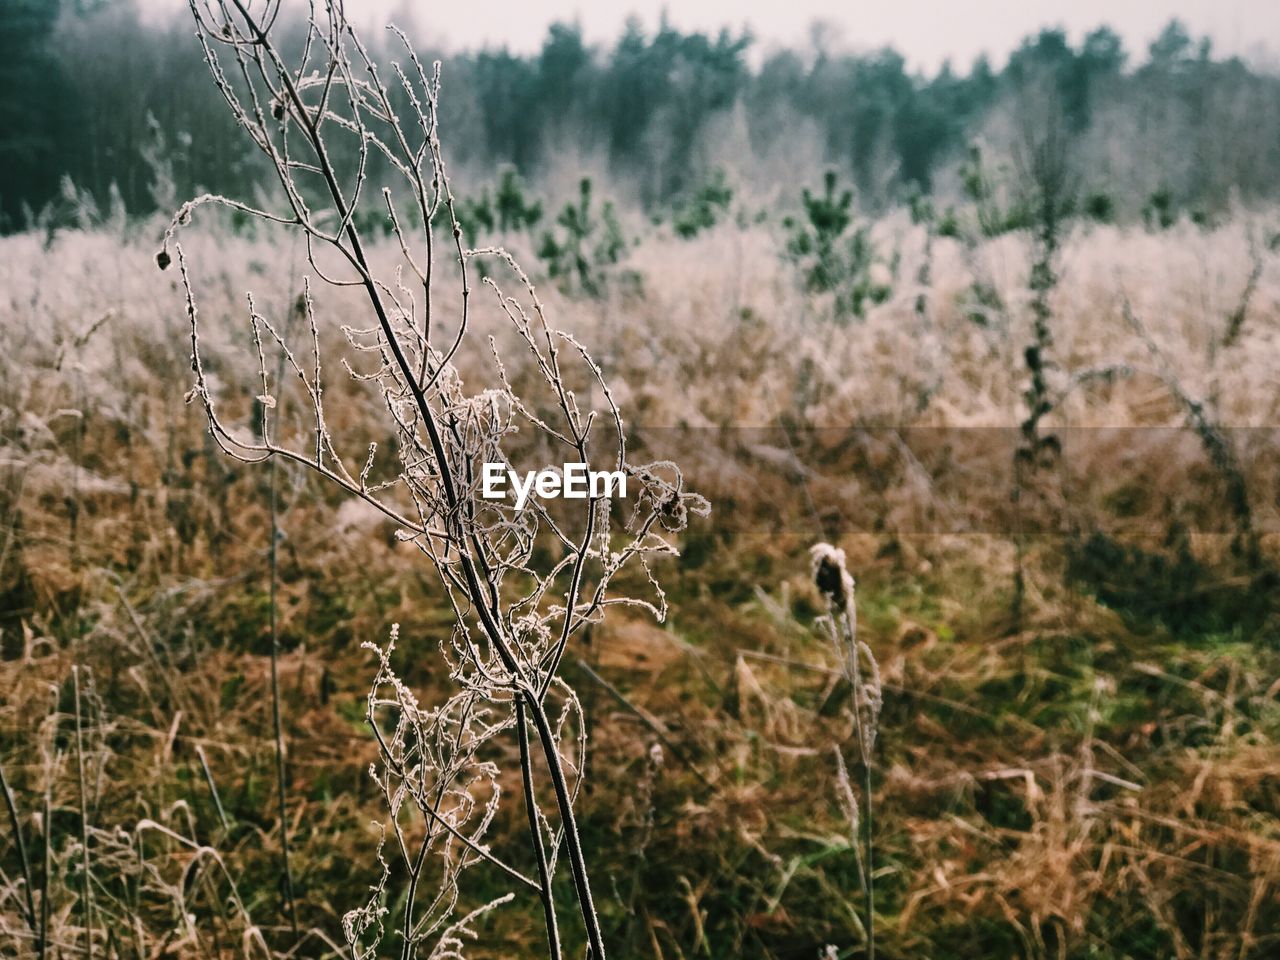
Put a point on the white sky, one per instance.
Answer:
(925, 31)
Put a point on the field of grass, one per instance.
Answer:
(1079, 749)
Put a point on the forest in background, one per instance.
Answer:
(96, 99)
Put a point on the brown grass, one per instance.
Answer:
(1087, 782)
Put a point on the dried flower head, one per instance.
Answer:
(831, 574)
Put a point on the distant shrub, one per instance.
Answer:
(997, 212)
(509, 209)
(949, 224)
(920, 207)
(586, 244)
(1160, 211)
(1100, 207)
(836, 256)
(704, 209)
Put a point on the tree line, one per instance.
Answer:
(94, 94)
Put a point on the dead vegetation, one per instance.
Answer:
(1097, 779)
(1091, 774)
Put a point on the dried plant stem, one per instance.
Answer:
(535, 835)
(832, 578)
(564, 801)
(14, 822)
(213, 788)
(506, 648)
(84, 818)
(569, 824)
(1205, 422)
(411, 894)
(643, 716)
(853, 673)
(1238, 316)
(438, 819)
(281, 785)
(577, 862)
(48, 869)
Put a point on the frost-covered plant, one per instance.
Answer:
(835, 583)
(521, 584)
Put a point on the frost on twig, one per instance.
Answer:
(353, 142)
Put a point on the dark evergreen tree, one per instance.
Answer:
(36, 109)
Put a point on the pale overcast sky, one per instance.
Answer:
(925, 31)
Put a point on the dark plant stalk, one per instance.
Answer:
(1206, 427)
(577, 862)
(1052, 202)
(868, 821)
(84, 818)
(281, 788)
(411, 895)
(213, 787)
(139, 938)
(864, 756)
(1237, 317)
(535, 836)
(12, 806)
(48, 868)
(831, 576)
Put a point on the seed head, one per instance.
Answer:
(831, 575)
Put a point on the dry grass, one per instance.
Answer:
(1092, 780)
